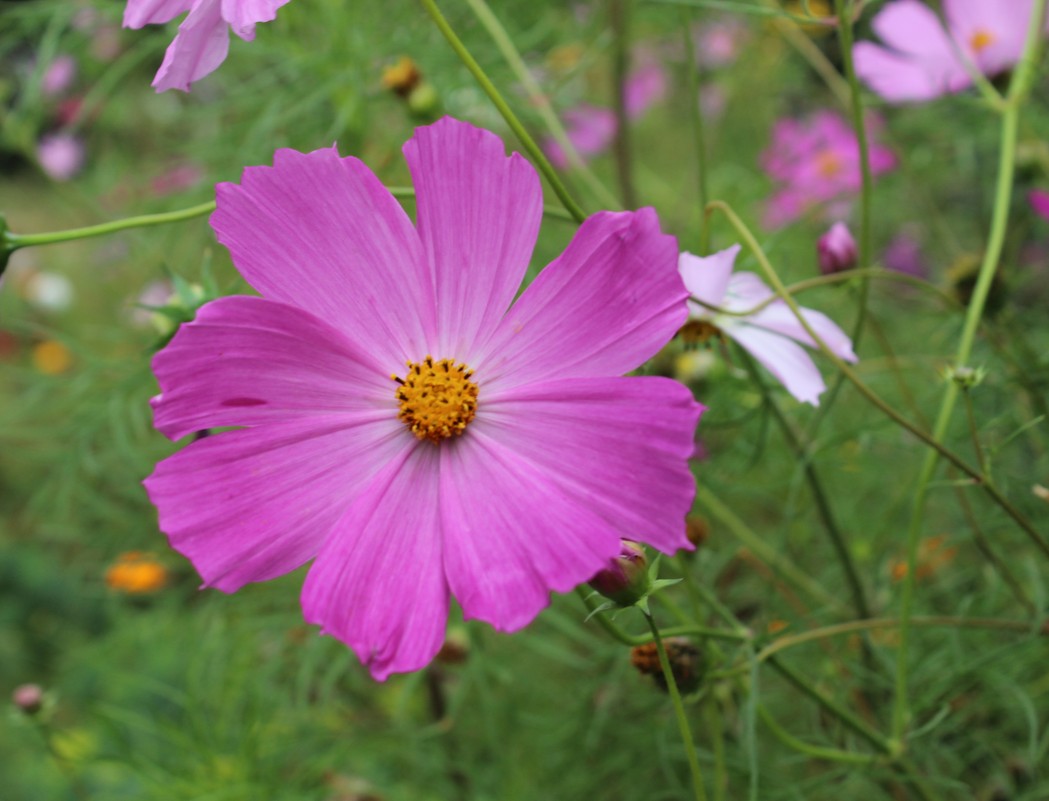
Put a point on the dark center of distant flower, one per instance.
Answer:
(437, 399)
(828, 164)
(698, 332)
(981, 40)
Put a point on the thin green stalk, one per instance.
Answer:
(1018, 89)
(761, 549)
(539, 100)
(699, 138)
(619, 18)
(823, 507)
(617, 633)
(13, 242)
(537, 155)
(932, 441)
(679, 712)
(717, 738)
(816, 751)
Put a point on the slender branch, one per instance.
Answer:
(619, 17)
(15, 241)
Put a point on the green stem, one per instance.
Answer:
(539, 100)
(541, 162)
(698, 133)
(816, 751)
(999, 220)
(679, 711)
(931, 440)
(16, 241)
(619, 17)
(717, 737)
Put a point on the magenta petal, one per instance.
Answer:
(198, 49)
(478, 217)
(787, 361)
(912, 28)
(246, 361)
(608, 303)
(138, 13)
(322, 233)
(254, 504)
(378, 584)
(242, 15)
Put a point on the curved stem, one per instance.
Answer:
(15, 241)
(541, 162)
(679, 712)
(988, 268)
(819, 752)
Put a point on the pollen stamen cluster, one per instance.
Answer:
(981, 40)
(437, 398)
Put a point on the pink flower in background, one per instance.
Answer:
(591, 129)
(1039, 202)
(836, 250)
(203, 37)
(769, 335)
(178, 178)
(59, 76)
(817, 161)
(405, 423)
(61, 155)
(923, 61)
(904, 255)
(718, 41)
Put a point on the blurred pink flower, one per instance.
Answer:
(177, 179)
(718, 41)
(495, 482)
(769, 335)
(923, 61)
(60, 155)
(203, 37)
(591, 129)
(816, 161)
(904, 255)
(836, 250)
(1039, 201)
(59, 76)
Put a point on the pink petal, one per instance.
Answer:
(378, 584)
(198, 49)
(912, 28)
(788, 362)
(322, 233)
(253, 504)
(246, 361)
(902, 79)
(148, 12)
(706, 277)
(778, 318)
(478, 217)
(547, 482)
(242, 15)
(1039, 200)
(608, 303)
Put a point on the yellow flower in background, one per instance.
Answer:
(51, 358)
(401, 77)
(136, 573)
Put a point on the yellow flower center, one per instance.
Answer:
(981, 40)
(698, 332)
(828, 164)
(437, 399)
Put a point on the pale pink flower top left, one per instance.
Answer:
(203, 37)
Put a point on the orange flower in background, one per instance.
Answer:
(136, 573)
(51, 357)
(932, 555)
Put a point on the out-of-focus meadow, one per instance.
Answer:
(156, 690)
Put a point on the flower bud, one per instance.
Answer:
(686, 663)
(836, 249)
(625, 580)
(29, 698)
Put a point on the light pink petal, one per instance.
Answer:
(198, 49)
(902, 79)
(242, 15)
(787, 361)
(378, 583)
(778, 317)
(1004, 22)
(245, 361)
(148, 12)
(253, 504)
(540, 491)
(706, 277)
(590, 129)
(912, 28)
(604, 306)
(478, 217)
(644, 87)
(322, 233)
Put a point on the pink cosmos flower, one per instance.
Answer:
(923, 61)
(60, 155)
(1039, 202)
(817, 161)
(203, 37)
(836, 250)
(58, 77)
(769, 335)
(591, 129)
(405, 423)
